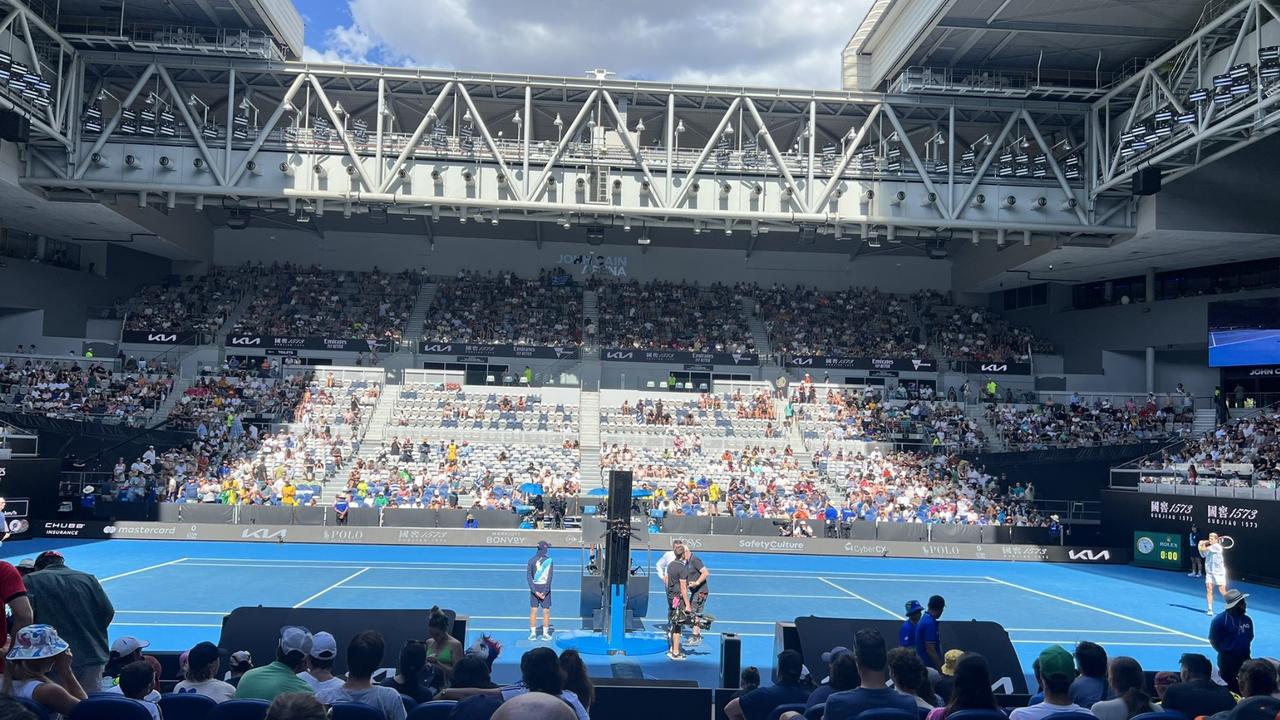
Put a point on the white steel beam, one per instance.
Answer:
(940, 206)
(560, 146)
(992, 150)
(512, 186)
(432, 113)
(265, 130)
(341, 129)
(706, 152)
(850, 151)
(773, 152)
(191, 125)
(1052, 162)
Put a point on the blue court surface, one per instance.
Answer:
(175, 594)
(1244, 347)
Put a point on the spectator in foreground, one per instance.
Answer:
(759, 703)
(747, 681)
(37, 650)
(1164, 680)
(1197, 694)
(297, 706)
(928, 646)
(539, 673)
(470, 672)
(873, 692)
(137, 682)
(907, 635)
(947, 678)
(1090, 686)
(13, 594)
(319, 672)
(971, 689)
(1231, 634)
(202, 665)
(1128, 686)
(240, 663)
(577, 679)
(281, 676)
(11, 710)
(1055, 671)
(364, 657)
(842, 675)
(910, 677)
(534, 706)
(409, 670)
(124, 650)
(1258, 696)
(74, 602)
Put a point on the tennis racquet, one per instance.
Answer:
(1227, 542)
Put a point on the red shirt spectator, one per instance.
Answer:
(13, 592)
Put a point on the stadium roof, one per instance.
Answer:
(278, 19)
(1081, 36)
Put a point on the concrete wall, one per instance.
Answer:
(451, 254)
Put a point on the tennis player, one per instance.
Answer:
(1215, 567)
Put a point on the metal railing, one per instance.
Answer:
(1003, 83)
(205, 40)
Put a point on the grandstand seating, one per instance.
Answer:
(671, 316)
(505, 309)
(976, 333)
(423, 405)
(1080, 424)
(845, 415)
(1241, 453)
(212, 397)
(853, 323)
(198, 303)
(80, 389)
(292, 301)
(737, 414)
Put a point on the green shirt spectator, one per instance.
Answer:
(281, 676)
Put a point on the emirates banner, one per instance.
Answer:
(307, 343)
(483, 352)
(679, 357)
(828, 362)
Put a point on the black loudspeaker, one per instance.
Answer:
(617, 559)
(14, 127)
(730, 660)
(1146, 181)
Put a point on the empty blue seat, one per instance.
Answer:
(354, 711)
(186, 706)
(815, 712)
(434, 710)
(789, 707)
(110, 707)
(886, 714)
(991, 714)
(238, 710)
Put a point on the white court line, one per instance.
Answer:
(171, 612)
(1086, 606)
(334, 586)
(1090, 632)
(141, 570)
(150, 624)
(575, 592)
(855, 595)
(1116, 644)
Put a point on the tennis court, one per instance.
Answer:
(1244, 347)
(175, 594)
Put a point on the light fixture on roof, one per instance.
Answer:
(640, 125)
(679, 127)
(466, 117)
(1198, 95)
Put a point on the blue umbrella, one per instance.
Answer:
(531, 489)
(598, 492)
(641, 493)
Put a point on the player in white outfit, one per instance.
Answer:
(1215, 568)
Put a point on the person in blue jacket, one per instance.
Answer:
(907, 635)
(540, 571)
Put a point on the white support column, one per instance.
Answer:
(231, 119)
(1151, 369)
(378, 131)
(813, 141)
(1150, 286)
(706, 152)
(671, 133)
(412, 145)
(528, 137)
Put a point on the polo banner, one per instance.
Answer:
(161, 337)
(263, 342)
(996, 368)
(535, 352)
(828, 362)
(678, 357)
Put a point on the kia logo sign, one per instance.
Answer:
(264, 534)
(992, 367)
(1090, 555)
(618, 355)
(162, 337)
(246, 340)
(802, 361)
(442, 349)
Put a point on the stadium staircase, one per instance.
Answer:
(759, 334)
(234, 317)
(995, 443)
(418, 317)
(180, 386)
(589, 439)
(590, 314)
(1205, 421)
(374, 436)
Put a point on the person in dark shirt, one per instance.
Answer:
(928, 646)
(760, 703)
(871, 656)
(842, 675)
(749, 680)
(907, 635)
(677, 575)
(1197, 694)
(1231, 634)
(1090, 686)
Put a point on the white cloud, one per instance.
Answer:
(789, 43)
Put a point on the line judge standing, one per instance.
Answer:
(539, 574)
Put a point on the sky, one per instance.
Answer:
(783, 43)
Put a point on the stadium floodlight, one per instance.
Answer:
(1026, 238)
(1073, 172)
(1223, 80)
(1005, 170)
(1199, 95)
(1243, 70)
(494, 219)
(1164, 114)
(640, 125)
(1040, 171)
(897, 198)
(968, 156)
(1022, 170)
(1242, 87)
(1271, 52)
(968, 168)
(979, 200)
(728, 227)
(1185, 118)
(1269, 69)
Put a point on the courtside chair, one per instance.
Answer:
(991, 714)
(186, 706)
(240, 710)
(110, 707)
(815, 712)
(887, 714)
(1162, 715)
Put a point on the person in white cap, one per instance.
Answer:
(281, 676)
(125, 651)
(320, 675)
(36, 651)
(241, 662)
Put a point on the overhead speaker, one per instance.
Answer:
(14, 127)
(1146, 181)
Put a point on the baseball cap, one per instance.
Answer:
(949, 661)
(1167, 677)
(1056, 661)
(1233, 597)
(202, 654)
(324, 646)
(47, 558)
(127, 645)
(790, 663)
(26, 563)
(241, 658)
(914, 606)
(296, 639)
(834, 654)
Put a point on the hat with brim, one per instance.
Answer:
(36, 642)
(949, 661)
(1233, 598)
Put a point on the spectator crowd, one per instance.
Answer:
(501, 308)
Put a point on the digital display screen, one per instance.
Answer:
(1244, 332)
